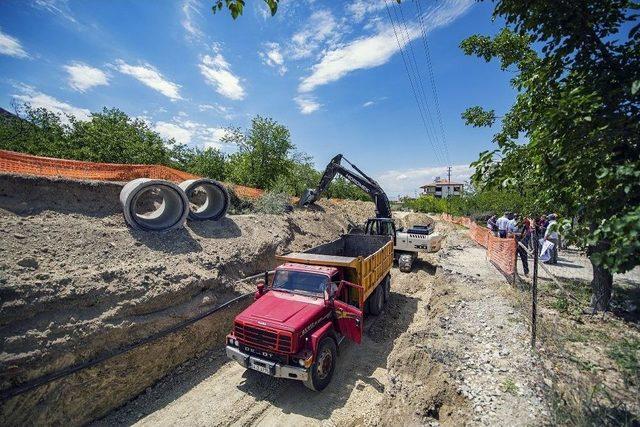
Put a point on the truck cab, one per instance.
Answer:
(282, 331)
(297, 321)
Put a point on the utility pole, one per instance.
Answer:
(449, 189)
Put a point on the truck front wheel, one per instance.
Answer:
(321, 370)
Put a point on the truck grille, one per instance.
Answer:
(264, 339)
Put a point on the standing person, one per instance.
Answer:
(518, 231)
(542, 225)
(492, 225)
(551, 234)
(503, 225)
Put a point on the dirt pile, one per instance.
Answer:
(409, 219)
(76, 282)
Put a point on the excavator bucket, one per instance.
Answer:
(308, 197)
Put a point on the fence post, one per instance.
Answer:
(515, 262)
(534, 290)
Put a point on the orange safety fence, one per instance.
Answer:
(501, 252)
(28, 164)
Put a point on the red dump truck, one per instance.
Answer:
(313, 301)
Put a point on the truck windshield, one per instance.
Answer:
(299, 281)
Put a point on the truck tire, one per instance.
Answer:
(387, 287)
(404, 263)
(377, 300)
(321, 370)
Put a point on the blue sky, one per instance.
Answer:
(331, 71)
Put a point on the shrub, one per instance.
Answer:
(273, 203)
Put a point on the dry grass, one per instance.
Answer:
(591, 362)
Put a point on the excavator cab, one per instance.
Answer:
(381, 227)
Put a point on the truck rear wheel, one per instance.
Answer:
(387, 287)
(321, 370)
(404, 263)
(377, 300)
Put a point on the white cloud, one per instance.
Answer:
(212, 138)
(181, 134)
(408, 182)
(185, 131)
(223, 111)
(368, 104)
(11, 46)
(377, 49)
(363, 53)
(57, 7)
(321, 27)
(189, 12)
(151, 77)
(358, 9)
(83, 77)
(272, 56)
(40, 100)
(307, 104)
(217, 73)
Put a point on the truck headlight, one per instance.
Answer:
(301, 362)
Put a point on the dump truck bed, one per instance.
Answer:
(366, 259)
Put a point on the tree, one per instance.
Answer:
(265, 152)
(210, 163)
(572, 135)
(114, 137)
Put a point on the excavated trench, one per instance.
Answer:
(76, 283)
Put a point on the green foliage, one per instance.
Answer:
(509, 386)
(209, 162)
(480, 204)
(272, 202)
(109, 136)
(477, 117)
(626, 354)
(236, 7)
(266, 157)
(265, 152)
(427, 204)
(573, 133)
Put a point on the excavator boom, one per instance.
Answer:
(359, 178)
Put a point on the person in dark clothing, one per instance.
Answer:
(492, 225)
(520, 234)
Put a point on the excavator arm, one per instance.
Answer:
(359, 178)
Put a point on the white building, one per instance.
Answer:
(441, 188)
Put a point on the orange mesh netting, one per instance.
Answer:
(27, 164)
(501, 252)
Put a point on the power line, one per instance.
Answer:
(434, 87)
(404, 60)
(419, 79)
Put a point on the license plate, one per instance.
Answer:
(260, 367)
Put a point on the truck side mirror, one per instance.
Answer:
(260, 286)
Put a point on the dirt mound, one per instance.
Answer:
(409, 219)
(75, 282)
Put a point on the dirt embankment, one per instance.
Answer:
(75, 282)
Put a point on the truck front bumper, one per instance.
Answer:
(266, 366)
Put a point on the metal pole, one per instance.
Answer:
(515, 262)
(534, 290)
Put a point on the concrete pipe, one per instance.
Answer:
(154, 204)
(208, 199)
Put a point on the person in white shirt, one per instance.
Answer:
(503, 225)
(551, 234)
